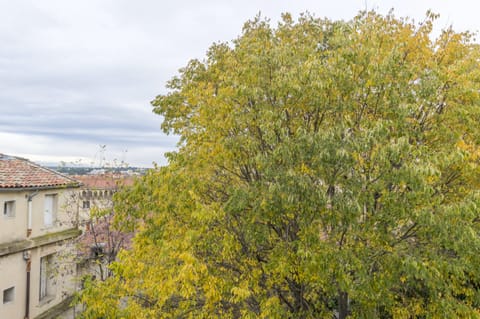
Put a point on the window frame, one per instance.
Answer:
(50, 219)
(86, 204)
(10, 293)
(46, 287)
(9, 207)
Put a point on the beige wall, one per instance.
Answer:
(65, 214)
(13, 266)
(64, 272)
(13, 274)
(98, 199)
(15, 228)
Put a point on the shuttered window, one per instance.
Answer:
(50, 208)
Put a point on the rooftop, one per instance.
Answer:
(17, 172)
(104, 181)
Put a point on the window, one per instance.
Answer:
(47, 283)
(97, 250)
(86, 204)
(50, 211)
(8, 295)
(9, 209)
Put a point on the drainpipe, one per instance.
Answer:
(29, 216)
(27, 257)
(27, 254)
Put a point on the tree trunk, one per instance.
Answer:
(342, 305)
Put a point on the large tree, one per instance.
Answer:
(325, 168)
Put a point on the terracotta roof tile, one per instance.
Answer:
(104, 181)
(16, 172)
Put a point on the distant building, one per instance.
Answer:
(96, 191)
(37, 226)
(100, 242)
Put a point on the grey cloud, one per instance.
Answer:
(77, 74)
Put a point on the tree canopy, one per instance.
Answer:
(325, 168)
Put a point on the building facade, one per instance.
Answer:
(100, 241)
(37, 229)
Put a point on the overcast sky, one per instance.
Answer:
(75, 75)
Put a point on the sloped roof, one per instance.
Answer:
(17, 172)
(104, 181)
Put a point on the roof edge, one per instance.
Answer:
(34, 188)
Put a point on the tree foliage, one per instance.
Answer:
(324, 168)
